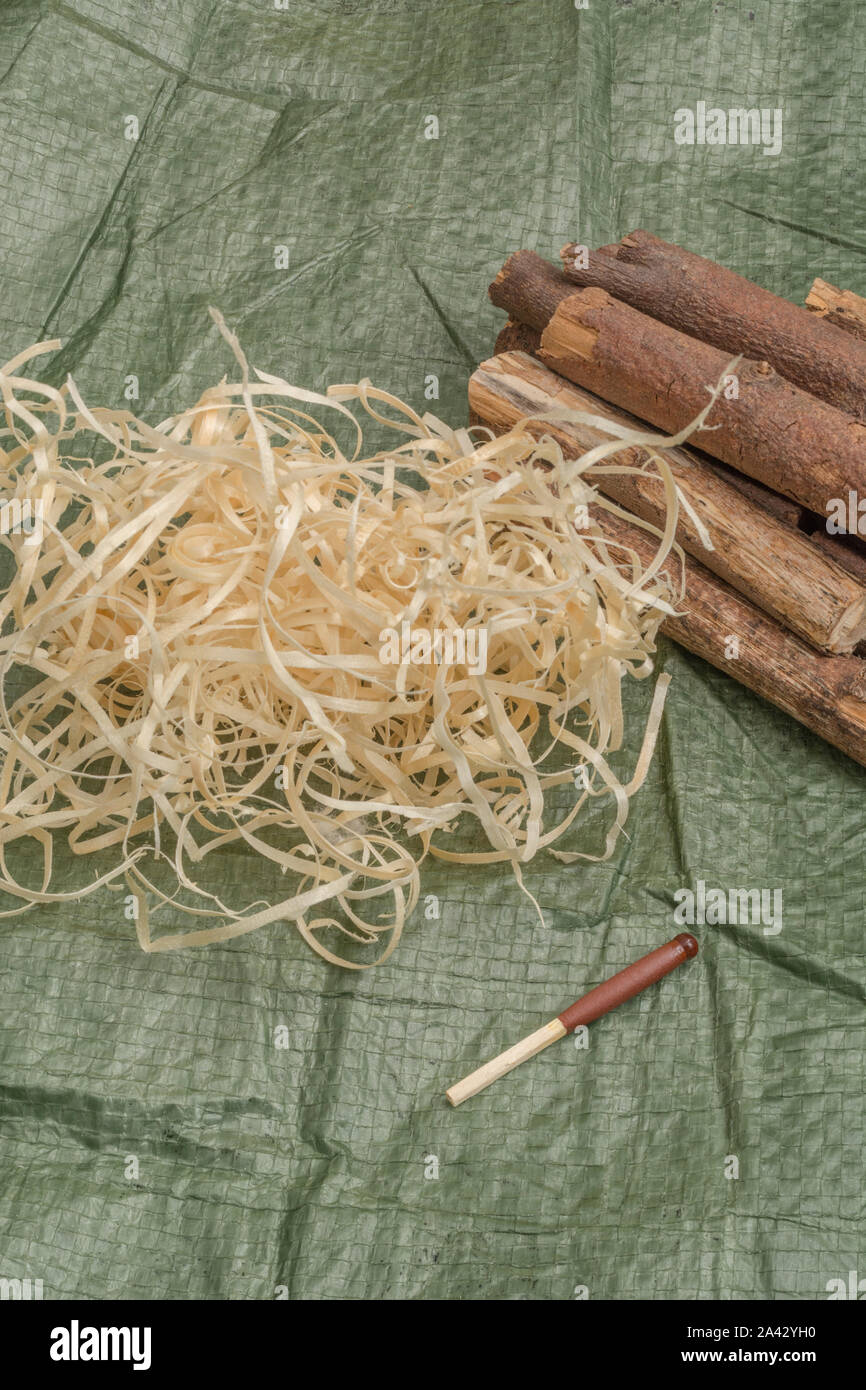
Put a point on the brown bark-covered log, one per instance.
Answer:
(776, 567)
(771, 430)
(530, 288)
(846, 551)
(782, 508)
(843, 308)
(825, 693)
(716, 305)
(519, 337)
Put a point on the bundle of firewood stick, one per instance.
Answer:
(639, 332)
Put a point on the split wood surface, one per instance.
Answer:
(775, 566)
(840, 307)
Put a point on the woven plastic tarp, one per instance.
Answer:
(156, 1142)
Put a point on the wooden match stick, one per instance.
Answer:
(600, 1000)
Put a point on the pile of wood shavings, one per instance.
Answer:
(193, 655)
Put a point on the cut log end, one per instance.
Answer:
(850, 631)
(529, 288)
(853, 709)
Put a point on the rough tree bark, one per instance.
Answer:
(716, 305)
(776, 567)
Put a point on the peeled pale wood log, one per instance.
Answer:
(714, 304)
(843, 308)
(825, 693)
(848, 552)
(776, 567)
(519, 337)
(790, 441)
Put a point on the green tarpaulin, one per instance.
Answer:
(156, 156)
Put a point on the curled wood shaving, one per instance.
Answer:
(192, 649)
